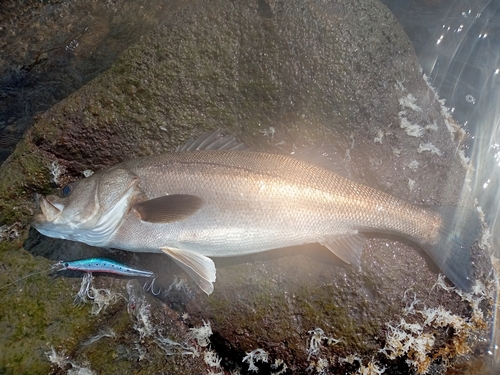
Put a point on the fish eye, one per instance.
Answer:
(66, 190)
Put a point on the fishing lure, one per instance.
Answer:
(106, 265)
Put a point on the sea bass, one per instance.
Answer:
(212, 199)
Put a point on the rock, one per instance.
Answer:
(281, 76)
(52, 48)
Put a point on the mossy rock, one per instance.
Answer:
(281, 76)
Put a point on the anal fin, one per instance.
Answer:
(348, 248)
(199, 267)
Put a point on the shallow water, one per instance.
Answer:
(458, 46)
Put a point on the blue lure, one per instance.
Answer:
(105, 265)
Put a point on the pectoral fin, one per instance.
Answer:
(168, 208)
(199, 267)
(347, 248)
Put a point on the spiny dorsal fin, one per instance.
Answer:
(168, 208)
(212, 141)
(199, 267)
(347, 248)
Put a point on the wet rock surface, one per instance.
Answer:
(282, 77)
(51, 48)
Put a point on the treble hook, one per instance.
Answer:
(149, 285)
(87, 288)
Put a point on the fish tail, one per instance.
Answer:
(452, 250)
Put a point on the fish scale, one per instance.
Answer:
(317, 195)
(206, 202)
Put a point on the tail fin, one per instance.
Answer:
(452, 251)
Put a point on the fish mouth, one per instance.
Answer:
(50, 211)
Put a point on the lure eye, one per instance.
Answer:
(66, 190)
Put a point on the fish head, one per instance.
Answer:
(88, 210)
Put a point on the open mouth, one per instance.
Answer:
(50, 211)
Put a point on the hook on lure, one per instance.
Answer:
(149, 286)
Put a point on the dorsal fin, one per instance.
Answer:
(212, 141)
(168, 208)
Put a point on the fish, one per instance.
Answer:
(213, 197)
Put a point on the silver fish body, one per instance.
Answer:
(193, 205)
(254, 202)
